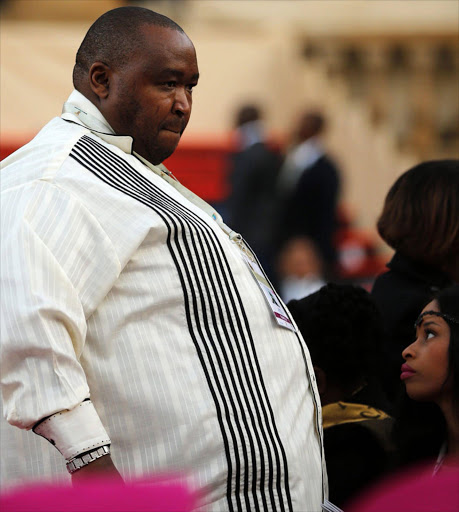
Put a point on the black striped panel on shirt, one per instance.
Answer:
(220, 330)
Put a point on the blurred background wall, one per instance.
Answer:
(385, 73)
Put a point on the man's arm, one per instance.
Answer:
(102, 466)
(57, 264)
(81, 438)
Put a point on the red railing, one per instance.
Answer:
(202, 167)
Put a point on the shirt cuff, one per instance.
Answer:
(73, 432)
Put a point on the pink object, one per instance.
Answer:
(413, 491)
(159, 494)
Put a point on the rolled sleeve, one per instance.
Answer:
(74, 432)
(57, 265)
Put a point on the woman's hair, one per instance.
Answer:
(448, 302)
(343, 330)
(421, 211)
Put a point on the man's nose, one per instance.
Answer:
(182, 102)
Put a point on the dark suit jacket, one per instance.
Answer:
(252, 176)
(311, 208)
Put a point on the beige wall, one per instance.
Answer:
(247, 50)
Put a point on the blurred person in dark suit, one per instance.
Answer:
(253, 170)
(309, 186)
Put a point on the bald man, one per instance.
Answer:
(139, 332)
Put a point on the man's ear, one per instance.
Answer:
(99, 79)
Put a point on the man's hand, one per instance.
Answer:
(102, 467)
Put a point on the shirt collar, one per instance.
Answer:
(249, 134)
(80, 110)
(307, 153)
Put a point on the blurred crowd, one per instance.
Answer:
(286, 205)
(386, 357)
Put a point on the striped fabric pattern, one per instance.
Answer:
(225, 348)
(167, 330)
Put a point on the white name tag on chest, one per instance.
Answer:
(274, 303)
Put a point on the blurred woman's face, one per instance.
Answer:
(425, 372)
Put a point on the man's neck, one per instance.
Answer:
(79, 109)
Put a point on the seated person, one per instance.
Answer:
(419, 221)
(300, 269)
(343, 330)
(427, 426)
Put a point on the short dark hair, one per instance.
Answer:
(421, 211)
(247, 114)
(311, 124)
(343, 330)
(315, 119)
(115, 36)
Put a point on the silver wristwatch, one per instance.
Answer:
(86, 458)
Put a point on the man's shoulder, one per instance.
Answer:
(57, 133)
(42, 156)
(325, 168)
(259, 156)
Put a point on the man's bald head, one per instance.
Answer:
(114, 38)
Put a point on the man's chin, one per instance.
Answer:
(158, 155)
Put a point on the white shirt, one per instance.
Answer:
(298, 160)
(249, 134)
(118, 287)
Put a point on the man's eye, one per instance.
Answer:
(190, 87)
(171, 84)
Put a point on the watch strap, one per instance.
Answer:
(84, 459)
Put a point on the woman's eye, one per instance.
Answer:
(429, 335)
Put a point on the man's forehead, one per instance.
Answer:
(164, 37)
(168, 50)
(168, 72)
